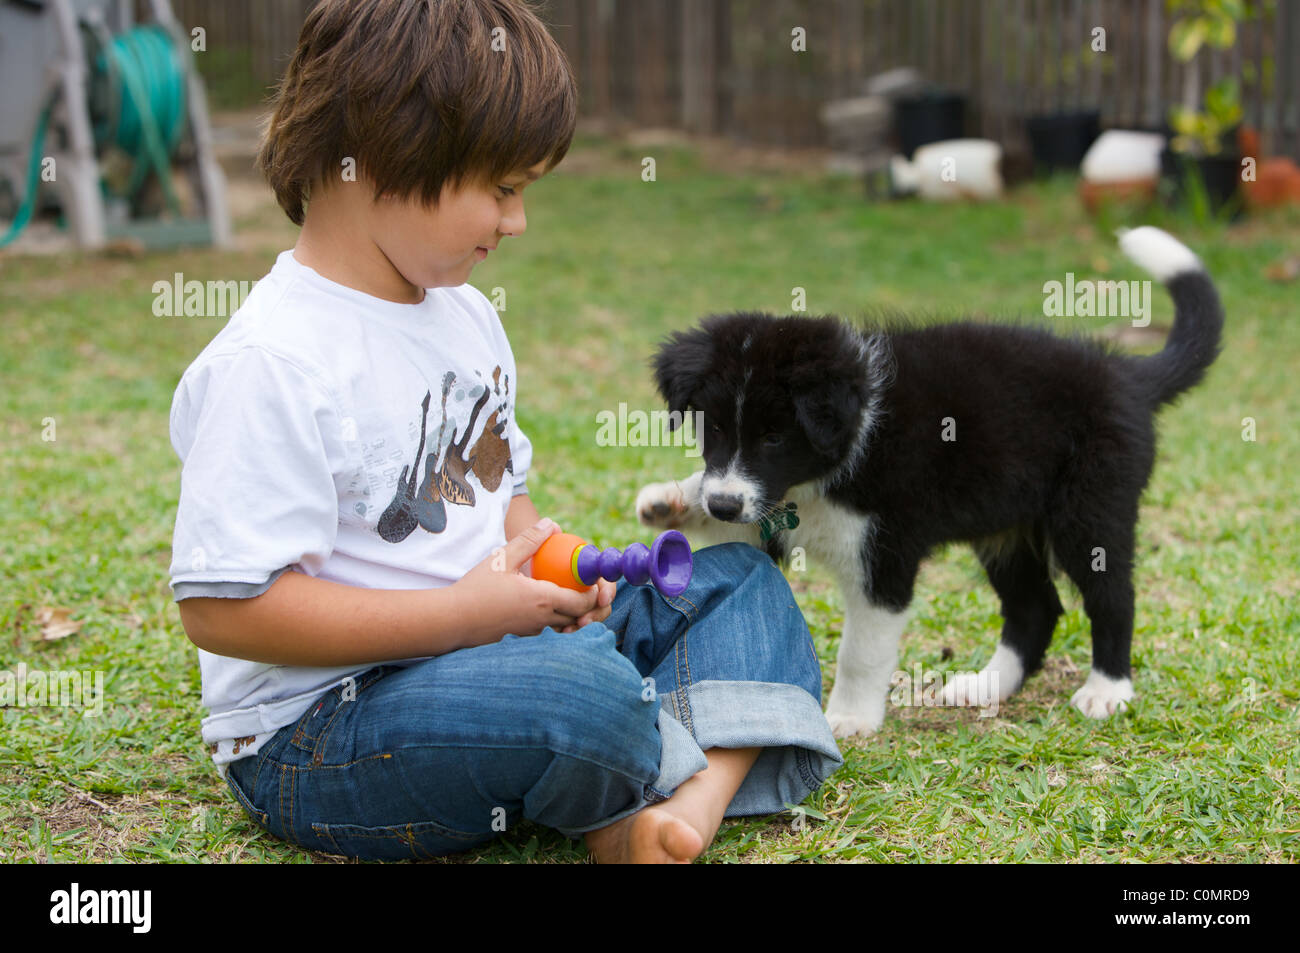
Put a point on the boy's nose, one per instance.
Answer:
(514, 222)
(514, 226)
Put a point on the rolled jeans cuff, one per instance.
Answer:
(799, 751)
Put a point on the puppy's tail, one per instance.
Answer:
(1198, 315)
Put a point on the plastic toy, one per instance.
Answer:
(572, 562)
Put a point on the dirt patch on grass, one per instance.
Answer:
(97, 826)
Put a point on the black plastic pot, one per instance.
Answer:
(930, 117)
(1061, 140)
(1217, 177)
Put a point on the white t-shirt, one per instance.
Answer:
(340, 435)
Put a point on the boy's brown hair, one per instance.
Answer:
(419, 93)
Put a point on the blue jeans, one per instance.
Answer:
(571, 731)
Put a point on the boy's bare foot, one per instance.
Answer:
(677, 830)
(652, 835)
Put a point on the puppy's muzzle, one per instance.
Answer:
(724, 506)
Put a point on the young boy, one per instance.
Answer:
(382, 679)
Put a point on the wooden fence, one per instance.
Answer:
(249, 43)
(728, 67)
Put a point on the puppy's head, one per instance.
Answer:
(783, 402)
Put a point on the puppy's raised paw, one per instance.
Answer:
(662, 505)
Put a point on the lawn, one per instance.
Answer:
(1202, 768)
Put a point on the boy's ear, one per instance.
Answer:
(680, 365)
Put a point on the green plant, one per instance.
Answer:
(1202, 132)
(1201, 23)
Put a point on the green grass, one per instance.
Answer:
(1203, 768)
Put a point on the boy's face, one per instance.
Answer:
(439, 247)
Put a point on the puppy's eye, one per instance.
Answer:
(773, 440)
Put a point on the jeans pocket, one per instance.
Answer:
(424, 840)
(313, 726)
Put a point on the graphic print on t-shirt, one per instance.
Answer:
(449, 483)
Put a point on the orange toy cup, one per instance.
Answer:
(553, 561)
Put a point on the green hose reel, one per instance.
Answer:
(136, 93)
(144, 81)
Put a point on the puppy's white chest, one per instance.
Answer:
(831, 534)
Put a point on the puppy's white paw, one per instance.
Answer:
(1101, 696)
(970, 689)
(996, 682)
(663, 505)
(847, 724)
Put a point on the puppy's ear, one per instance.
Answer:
(830, 410)
(680, 365)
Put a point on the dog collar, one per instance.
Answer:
(784, 518)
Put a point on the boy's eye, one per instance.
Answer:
(506, 190)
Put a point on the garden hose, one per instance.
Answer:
(33, 174)
(141, 77)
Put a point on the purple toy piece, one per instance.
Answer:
(666, 563)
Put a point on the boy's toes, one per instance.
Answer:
(675, 841)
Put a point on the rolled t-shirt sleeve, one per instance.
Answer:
(521, 457)
(259, 439)
(521, 448)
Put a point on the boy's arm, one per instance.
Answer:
(303, 620)
(520, 514)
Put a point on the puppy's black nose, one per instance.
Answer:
(725, 507)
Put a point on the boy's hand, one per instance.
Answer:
(502, 599)
(605, 596)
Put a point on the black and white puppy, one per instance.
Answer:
(1032, 447)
